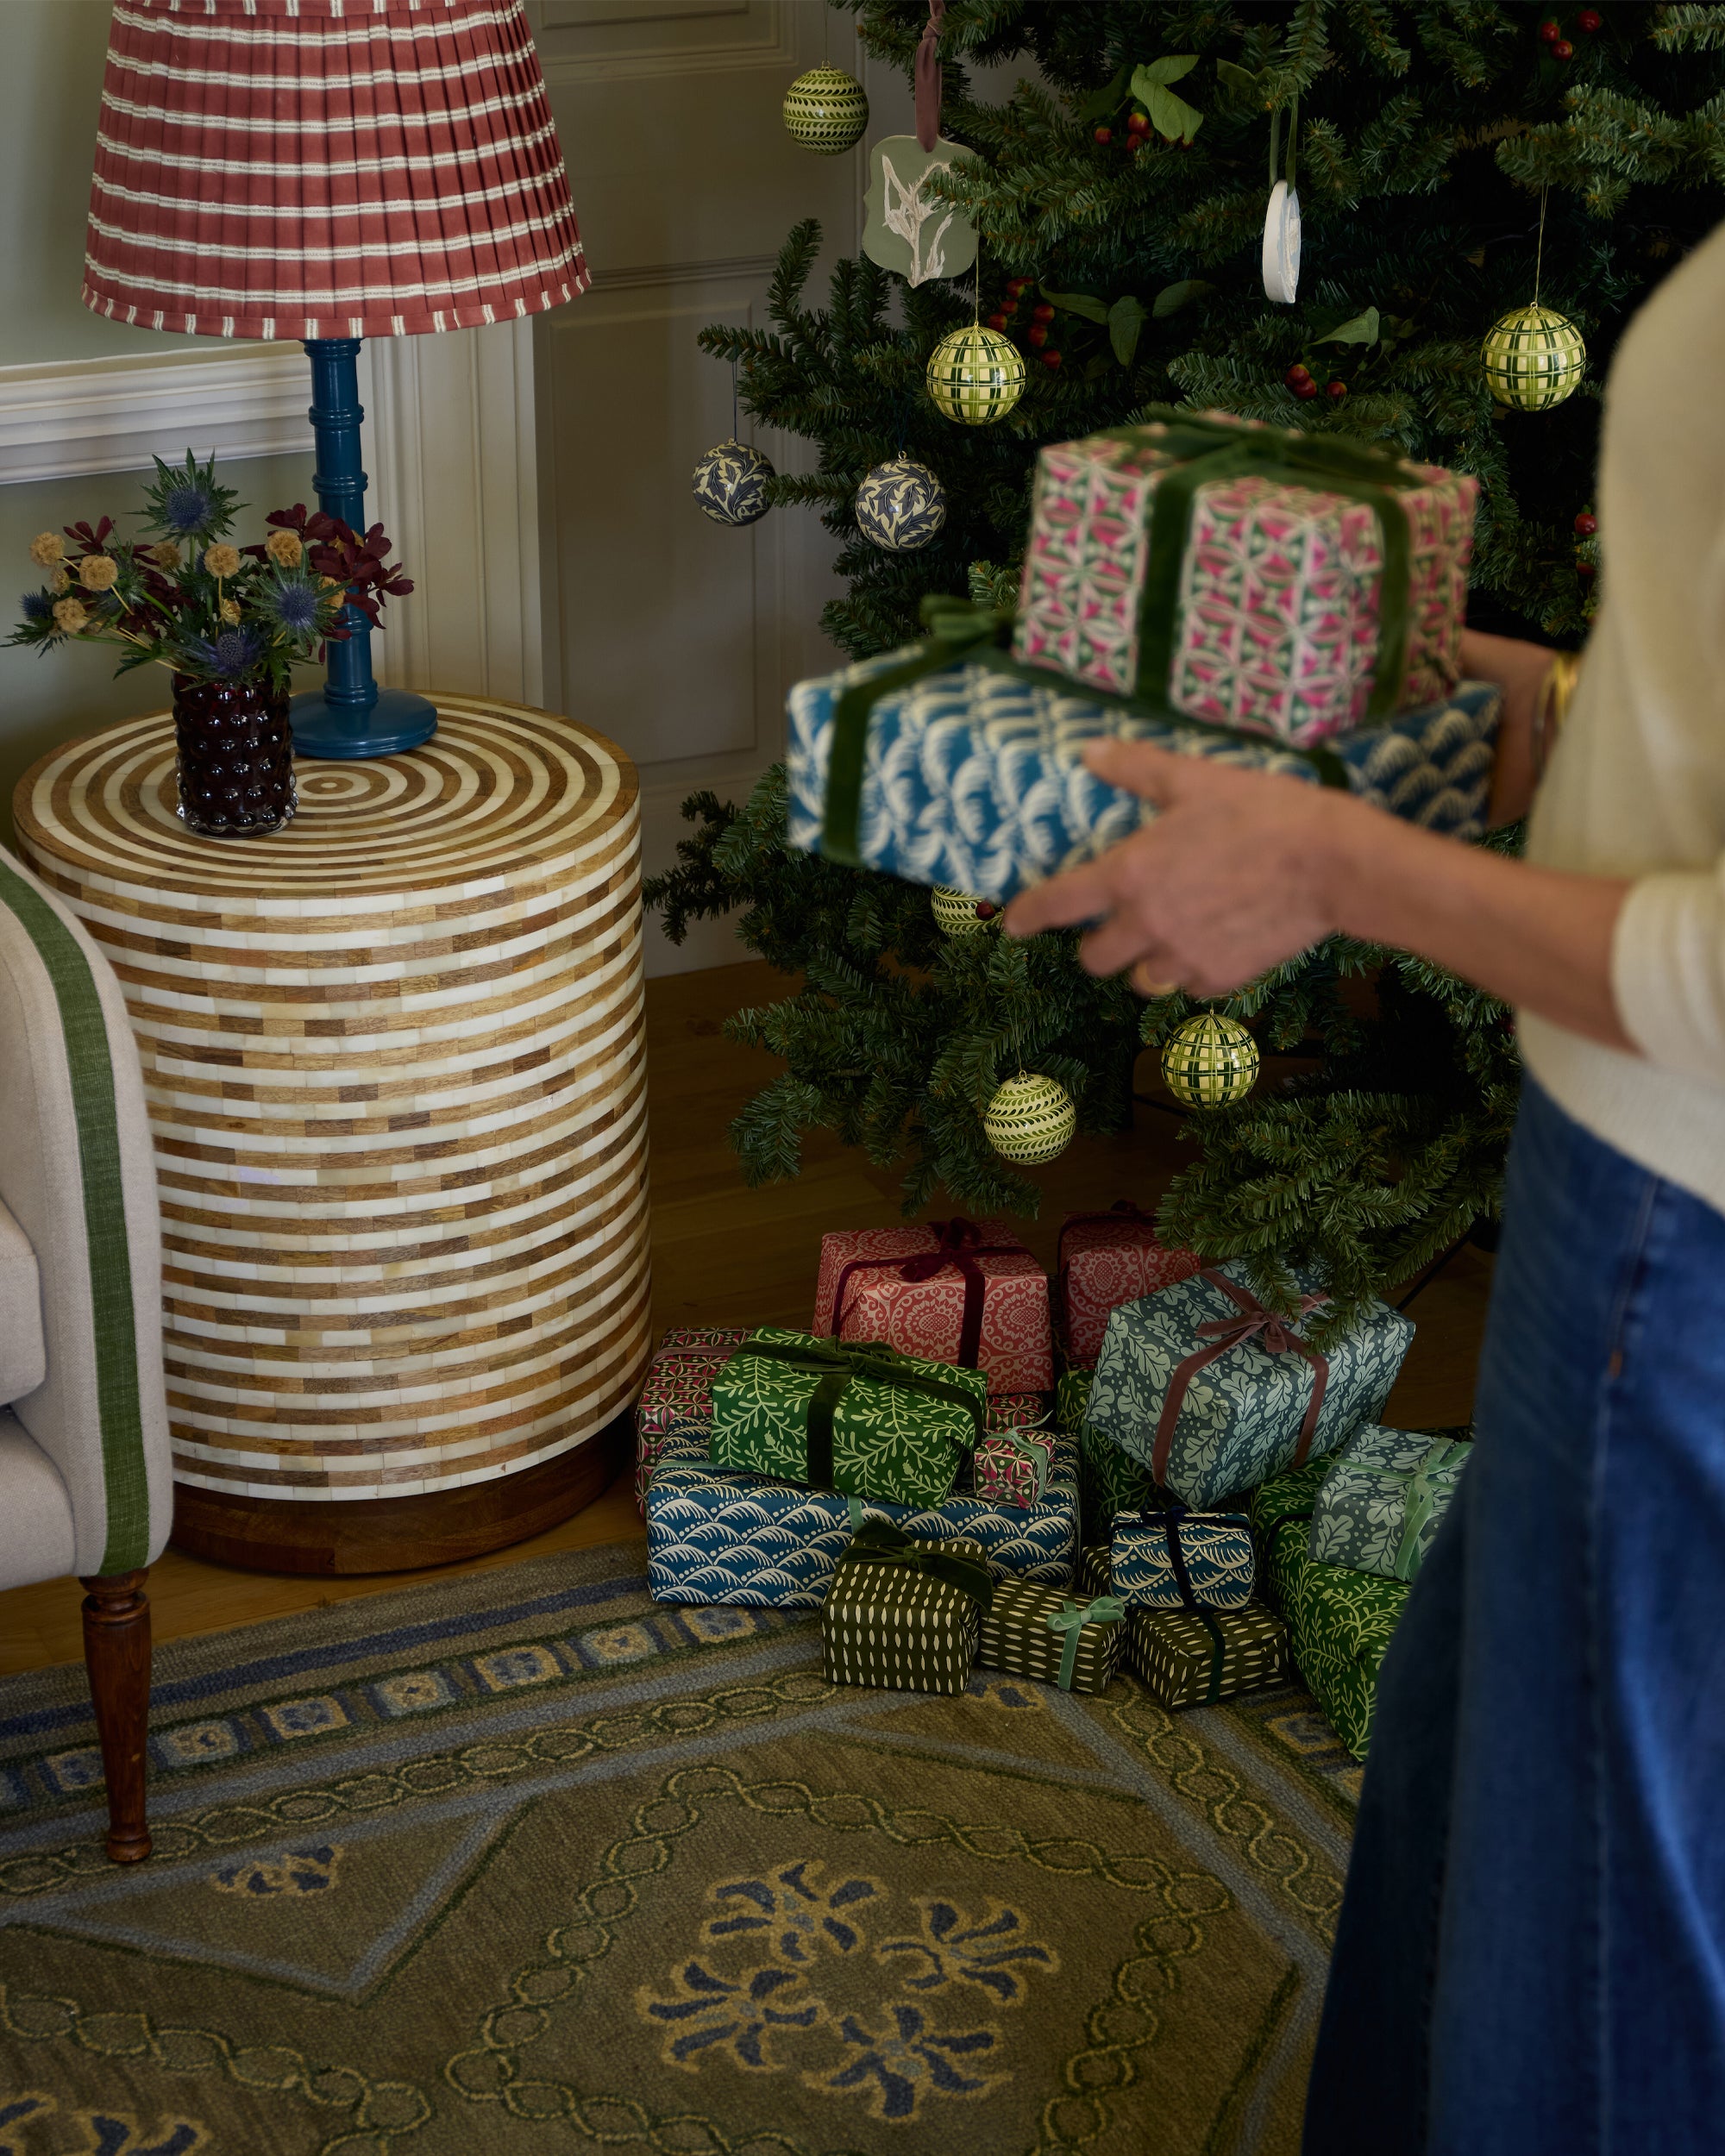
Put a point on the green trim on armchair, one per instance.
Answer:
(84, 1027)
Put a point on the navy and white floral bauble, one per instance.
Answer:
(900, 505)
(731, 484)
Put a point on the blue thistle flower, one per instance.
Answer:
(228, 657)
(187, 510)
(36, 607)
(294, 603)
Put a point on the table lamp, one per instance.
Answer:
(329, 170)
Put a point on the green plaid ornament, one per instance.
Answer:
(1037, 1631)
(1210, 1062)
(1534, 358)
(976, 375)
(902, 1615)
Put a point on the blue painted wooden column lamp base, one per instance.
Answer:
(350, 715)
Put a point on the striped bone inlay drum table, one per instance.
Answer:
(396, 1071)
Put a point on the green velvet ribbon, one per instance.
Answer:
(882, 1542)
(1422, 1502)
(1070, 1619)
(1038, 1455)
(955, 630)
(838, 1364)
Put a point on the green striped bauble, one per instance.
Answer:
(1210, 1062)
(1030, 1119)
(826, 110)
(1534, 358)
(976, 375)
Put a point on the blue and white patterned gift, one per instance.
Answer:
(1215, 1394)
(717, 1535)
(1150, 1549)
(973, 777)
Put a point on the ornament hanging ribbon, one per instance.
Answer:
(957, 1242)
(1124, 1212)
(882, 1542)
(1424, 1496)
(928, 78)
(1168, 1518)
(1070, 1619)
(1273, 1334)
(837, 1364)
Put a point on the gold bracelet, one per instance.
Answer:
(1557, 693)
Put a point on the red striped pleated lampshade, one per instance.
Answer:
(326, 168)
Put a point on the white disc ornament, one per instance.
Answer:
(1281, 244)
(731, 483)
(900, 505)
(957, 913)
(1534, 358)
(907, 228)
(1210, 1062)
(976, 375)
(1030, 1119)
(826, 110)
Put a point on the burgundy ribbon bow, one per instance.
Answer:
(957, 1242)
(1275, 1335)
(1124, 1212)
(928, 78)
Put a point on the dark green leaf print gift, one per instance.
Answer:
(846, 1415)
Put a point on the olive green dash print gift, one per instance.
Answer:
(903, 1613)
(846, 1415)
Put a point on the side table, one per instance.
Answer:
(395, 1064)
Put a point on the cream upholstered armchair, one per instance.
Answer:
(85, 1484)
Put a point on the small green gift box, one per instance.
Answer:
(1381, 1504)
(1193, 1657)
(846, 1415)
(1037, 1631)
(902, 1613)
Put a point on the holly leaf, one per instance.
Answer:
(1237, 77)
(1172, 298)
(1171, 115)
(1083, 304)
(1360, 330)
(1166, 70)
(1101, 103)
(1125, 319)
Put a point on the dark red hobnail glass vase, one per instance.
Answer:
(235, 757)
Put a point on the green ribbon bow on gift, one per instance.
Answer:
(1423, 1495)
(880, 1542)
(1106, 1609)
(840, 1362)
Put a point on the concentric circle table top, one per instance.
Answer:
(393, 1056)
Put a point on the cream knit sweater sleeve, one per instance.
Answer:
(1637, 787)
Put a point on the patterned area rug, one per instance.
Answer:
(522, 1863)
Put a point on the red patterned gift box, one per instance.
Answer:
(1011, 1464)
(679, 1388)
(951, 1291)
(1289, 585)
(1103, 1260)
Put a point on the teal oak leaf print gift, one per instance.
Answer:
(846, 1415)
(1213, 1392)
(1381, 1502)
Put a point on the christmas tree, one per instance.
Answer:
(1450, 158)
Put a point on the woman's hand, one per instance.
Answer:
(1520, 671)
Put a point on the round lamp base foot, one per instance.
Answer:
(398, 721)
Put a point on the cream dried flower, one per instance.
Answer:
(222, 559)
(60, 581)
(165, 556)
(70, 616)
(284, 549)
(230, 610)
(47, 548)
(98, 572)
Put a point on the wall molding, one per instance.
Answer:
(67, 419)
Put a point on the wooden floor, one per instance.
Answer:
(726, 1255)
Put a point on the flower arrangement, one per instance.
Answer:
(182, 596)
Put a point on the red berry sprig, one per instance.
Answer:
(1589, 19)
(1563, 49)
(1586, 524)
(1138, 123)
(1104, 136)
(1335, 391)
(1551, 30)
(1299, 380)
(1052, 360)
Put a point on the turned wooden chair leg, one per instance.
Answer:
(117, 1653)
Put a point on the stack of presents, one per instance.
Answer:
(1203, 1491)
(1138, 1468)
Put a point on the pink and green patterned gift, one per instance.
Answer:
(678, 1388)
(1010, 1466)
(1291, 584)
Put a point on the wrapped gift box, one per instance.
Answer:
(718, 1537)
(1109, 1481)
(975, 779)
(966, 1291)
(678, 1388)
(902, 1613)
(1192, 1383)
(1034, 1632)
(1102, 1260)
(862, 1419)
(1187, 1657)
(1216, 1549)
(1193, 560)
(1379, 1507)
(1011, 1464)
(1340, 1622)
